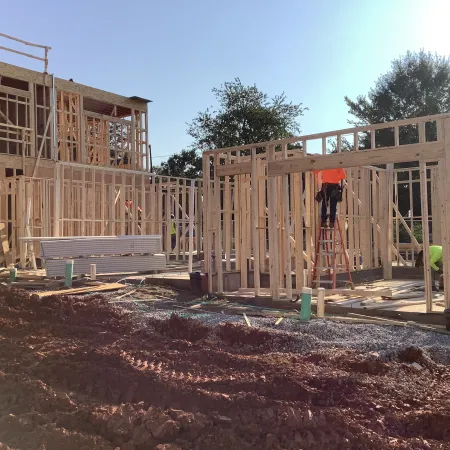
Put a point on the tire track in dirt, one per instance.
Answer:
(77, 373)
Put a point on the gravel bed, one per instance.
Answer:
(386, 340)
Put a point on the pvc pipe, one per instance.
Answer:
(69, 273)
(320, 302)
(93, 272)
(12, 274)
(305, 311)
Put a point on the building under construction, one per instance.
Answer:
(74, 161)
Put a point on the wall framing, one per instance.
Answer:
(274, 187)
(74, 161)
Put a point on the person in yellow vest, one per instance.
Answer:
(173, 231)
(332, 182)
(436, 263)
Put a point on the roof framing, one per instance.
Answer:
(31, 76)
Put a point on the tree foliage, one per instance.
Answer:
(245, 115)
(186, 164)
(418, 84)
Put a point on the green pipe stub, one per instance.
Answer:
(305, 310)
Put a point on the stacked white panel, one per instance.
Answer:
(108, 264)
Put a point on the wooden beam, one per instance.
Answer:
(20, 73)
(82, 290)
(334, 133)
(18, 92)
(431, 151)
(234, 169)
(328, 292)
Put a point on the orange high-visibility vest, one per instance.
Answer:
(331, 176)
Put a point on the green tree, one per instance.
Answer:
(186, 164)
(245, 115)
(418, 84)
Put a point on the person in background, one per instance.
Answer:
(436, 263)
(332, 186)
(173, 231)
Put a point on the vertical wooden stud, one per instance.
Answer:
(255, 222)
(273, 234)
(425, 235)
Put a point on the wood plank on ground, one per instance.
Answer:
(83, 290)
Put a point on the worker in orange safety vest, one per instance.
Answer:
(332, 186)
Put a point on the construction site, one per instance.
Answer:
(142, 311)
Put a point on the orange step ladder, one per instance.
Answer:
(329, 244)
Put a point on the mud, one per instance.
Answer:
(79, 373)
(179, 327)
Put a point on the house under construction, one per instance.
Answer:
(74, 161)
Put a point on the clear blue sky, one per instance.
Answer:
(174, 52)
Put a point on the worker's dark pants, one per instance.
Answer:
(437, 275)
(174, 240)
(330, 196)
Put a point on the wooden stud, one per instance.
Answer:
(273, 234)
(168, 221)
(425, 236)
(287, 228)
(435, 210)
(191, 226)
(411, 209)
(397, 225)
(297, 200)
(218, 224)
(57, 202)
(184, 216)
(255, 222)
(357, 218)
(376, 243)
(387, 264)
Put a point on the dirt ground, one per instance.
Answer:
(78, 373)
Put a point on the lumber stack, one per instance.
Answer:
(110, 254)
